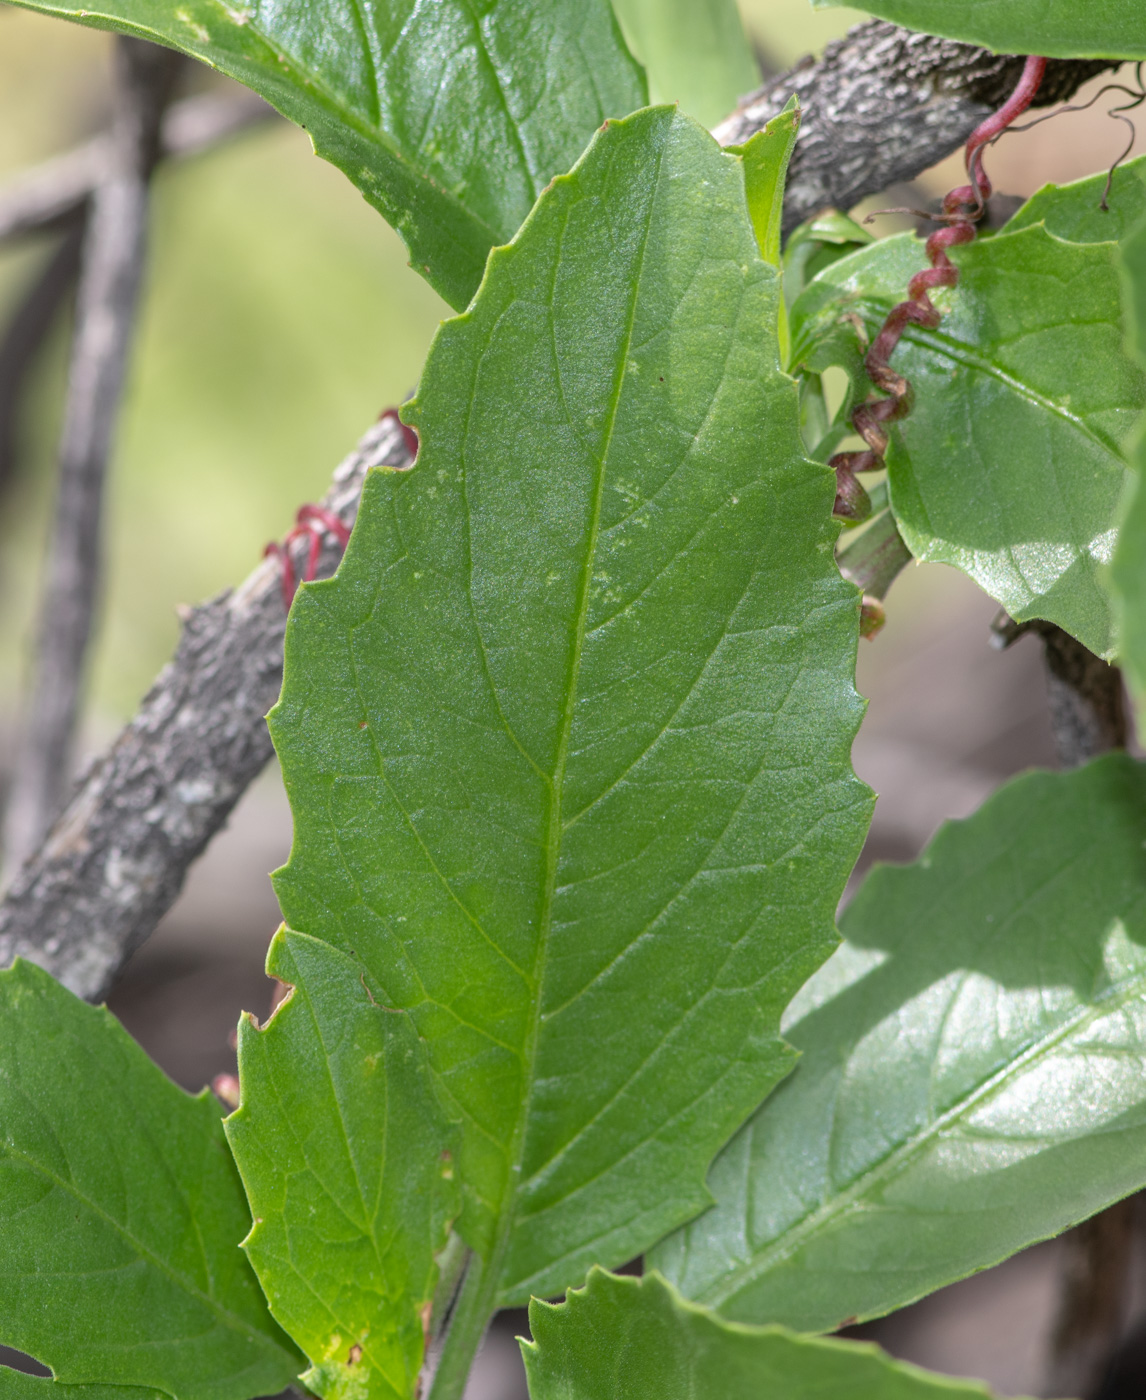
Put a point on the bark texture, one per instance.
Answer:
(116, 858)
(884, 104)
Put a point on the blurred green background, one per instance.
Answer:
(279, 319)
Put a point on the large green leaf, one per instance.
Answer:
(1076, 212)
(637, 1339)
(973, 1075)
(1056, 28)
(567, 738)
(695, 51)
(349, 1171)
(1011, 464)
(120, 1214)
(1129, 569)
(450, 117)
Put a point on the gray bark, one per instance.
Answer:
(884, 104)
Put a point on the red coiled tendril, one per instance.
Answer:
(962, 209)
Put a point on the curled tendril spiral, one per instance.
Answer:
(962, 209)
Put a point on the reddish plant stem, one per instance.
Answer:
(962, 209)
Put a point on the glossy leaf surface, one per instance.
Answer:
(449, 117)
(973, 1076)
(1056, 28)
(567, 739)
(348, 1167)
(637, 1339)
(695, 52)
(1011, 465)
(120, 1213)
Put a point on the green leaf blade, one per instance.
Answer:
(637, 1339)
(348, 1168)
(1054, 28)
(1010, 466)
(122, 1211)
(1129, 569)
(1075, 212)
(546, 735)
(972, 1073)
(449, 118)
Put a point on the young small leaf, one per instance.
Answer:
(973, 1076)
(567, 739)
(348, 1165)
(120, 1214)
(450, 117)
(1075, 212)
(695, 51)
(637, 1339)
(1056, 28)
(1011, 464)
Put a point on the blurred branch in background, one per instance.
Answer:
(111, 274)
(43, 198)
(115, 860)
(28, 329)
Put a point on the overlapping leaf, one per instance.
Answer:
(18, 1385)
(120, 1215)
(1056, 28)
(348, 1166)
(1085, 211)
(567, 739)
(695, 51)
(1011, 464)
(973, 1075)
(450, 117)
(637, 1339)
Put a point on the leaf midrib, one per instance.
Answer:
(784, 1246)
(555, 826)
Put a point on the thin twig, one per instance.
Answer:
(113, 256)
(114, 862)
(44, 196)
(28, 329)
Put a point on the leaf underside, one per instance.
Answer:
(567, 738)
(1011, 464)
(120, 1215)
(450, 118)
(973, 1076)
(637, 1339)
(1055, 28)
(347, 1163)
